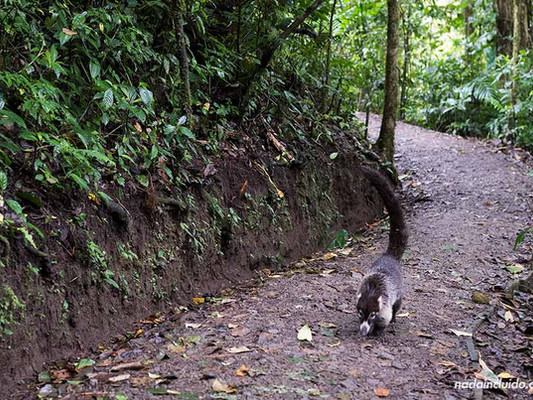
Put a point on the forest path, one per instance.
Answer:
(465, 203)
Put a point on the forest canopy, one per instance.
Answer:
(114, 90)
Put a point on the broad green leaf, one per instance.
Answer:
(146, 96)
(108, 98)
(15, 206)
(81, 183)
(187, 132)
(3, 180)
(84, 363)
(143, 180)
(94, 68)
(520, 238)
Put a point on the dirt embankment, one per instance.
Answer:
(106, 269)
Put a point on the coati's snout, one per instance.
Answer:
(369, 308)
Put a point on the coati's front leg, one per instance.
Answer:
(395, 308)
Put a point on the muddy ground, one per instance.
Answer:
(466, 201)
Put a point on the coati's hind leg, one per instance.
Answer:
(395, 307)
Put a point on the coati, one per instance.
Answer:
(380, 293)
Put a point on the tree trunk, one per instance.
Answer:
(385, 141)
(406, 61)
(268, 54)
(517, 11)
(328, 58)
(184, 61)
(505, 25)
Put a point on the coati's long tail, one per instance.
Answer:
(398, 230)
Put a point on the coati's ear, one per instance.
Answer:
(380, 302)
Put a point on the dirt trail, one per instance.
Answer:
(465, 204)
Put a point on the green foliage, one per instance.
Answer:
(341, 240)
(11, 310)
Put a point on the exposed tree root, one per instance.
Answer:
(35, 251)
(7, 247)
(118, 212)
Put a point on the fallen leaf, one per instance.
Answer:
(424, 335)
(382, 392)
(119, 378)
(137, 127)
(84, 363)
(461, 333)
(198, 300)
(221, 386)
(486, 374)
(480, 298)
(239, 332)
(329, 256)
(508, 316)
(232, 326)
(327, 325)
(131, 365)
(191, 325)
(515, 269)
(243, 371)
(60, 374)
(346, 251)
(176, 349)
(506, 375)
(239, 349)
(305, 333)
(447, 364)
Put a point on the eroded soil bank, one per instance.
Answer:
(240, 213)
(466, 202)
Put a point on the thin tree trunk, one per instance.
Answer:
(516, 49)
(406, 61)
(184, 62)
(268, 54)
(328, 57)
(385, 141)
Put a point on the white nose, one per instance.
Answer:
(364, 328)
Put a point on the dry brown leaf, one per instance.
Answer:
(329, 256)
(176, 349)
(239, 332)
(506, 375)
(221, 386)
(243, 188)
(382, 392)
(243, 371)
(119, 378)
(131, 365)
(238, 350)
(60, 374)
(137, 127)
